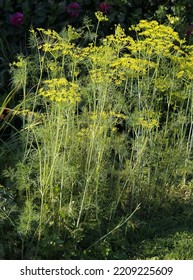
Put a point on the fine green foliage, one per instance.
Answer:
(106, 137)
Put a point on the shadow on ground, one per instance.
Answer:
(164, 231)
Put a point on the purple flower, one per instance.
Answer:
(73, 9)
(16, 19)
(189, 30)
(105, 8)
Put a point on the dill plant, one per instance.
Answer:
(157, 95)
(68, 154)
(83, 178)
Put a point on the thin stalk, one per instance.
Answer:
(124, 221)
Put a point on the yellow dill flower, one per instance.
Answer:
(163, 83)
(50, 33)
(84, 52)
(20, 63)
(61, 90)
(118, 41)
(57, 46)
(185, 69)
(154, 38)
(61, 48)
(100, 16)
(92, 131)
(127, 66)
(146, 119)
(82, 133)
(101, 55)
(149, 124)
(98, 115)
(99, 76)
(117, 115)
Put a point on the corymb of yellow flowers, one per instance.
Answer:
(148, 119)
(155, 38)
(118, 58)
(100, 16)
(61, 90)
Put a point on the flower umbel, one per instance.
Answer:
(16, 19)
(73, 9)
(60, 90)
(99, 15)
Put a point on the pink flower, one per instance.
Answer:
(73, 9)
(16, 19)
(105, 8)
(189, 30)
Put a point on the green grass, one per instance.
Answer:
(168, 242)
